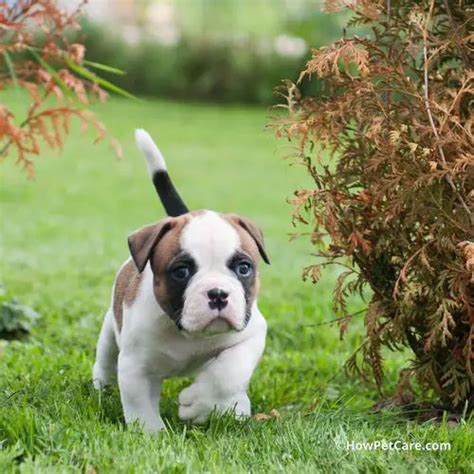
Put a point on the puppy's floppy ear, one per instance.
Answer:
(142, 242)
(255, 232)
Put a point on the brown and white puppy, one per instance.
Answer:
(185, 300)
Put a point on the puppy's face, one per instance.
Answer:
(205, 268)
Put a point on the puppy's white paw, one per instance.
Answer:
(192, 404)
(190, 394)
(101, 377)
(196, 404)
(242, 408)
(153, 427)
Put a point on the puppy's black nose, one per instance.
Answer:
(217, 298)
(217, 294)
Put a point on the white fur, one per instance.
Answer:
(154, 158)
(211, 241)
(152, 348)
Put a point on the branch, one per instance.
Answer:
(403, 272)
(31, 115)
(336, 320)
(430, 115)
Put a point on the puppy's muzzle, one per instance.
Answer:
(217, 298)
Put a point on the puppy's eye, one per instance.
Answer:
(181, 273)
(243, 269)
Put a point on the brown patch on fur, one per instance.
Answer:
(251, 230)
(160, 253)
(148, 244)
(126, 288)
(164, 252)
(143, 241)
(248, 244)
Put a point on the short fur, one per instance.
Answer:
(164, 319)
(125, 291)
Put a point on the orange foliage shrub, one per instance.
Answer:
(389, 146)
(37, 57)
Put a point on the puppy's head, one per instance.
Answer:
(205, 268)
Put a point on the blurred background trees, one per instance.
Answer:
(211, 50)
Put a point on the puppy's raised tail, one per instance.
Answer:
(169, 197)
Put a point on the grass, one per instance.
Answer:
(62, 239)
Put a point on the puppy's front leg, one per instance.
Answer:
(140, 393)
(222, 386)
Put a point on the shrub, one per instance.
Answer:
(16, 320)
(389, 147)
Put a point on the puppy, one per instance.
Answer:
(186, 300)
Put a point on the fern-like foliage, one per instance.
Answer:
(36, 57)
(389, 146)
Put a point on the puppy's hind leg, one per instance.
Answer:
(105, 367)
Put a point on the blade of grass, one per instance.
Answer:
(104, 67)
(102, 82)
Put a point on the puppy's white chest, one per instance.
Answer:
(167, 353)
(172, 356)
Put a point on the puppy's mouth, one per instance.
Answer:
(218, 326)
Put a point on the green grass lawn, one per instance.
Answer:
(63, 236)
